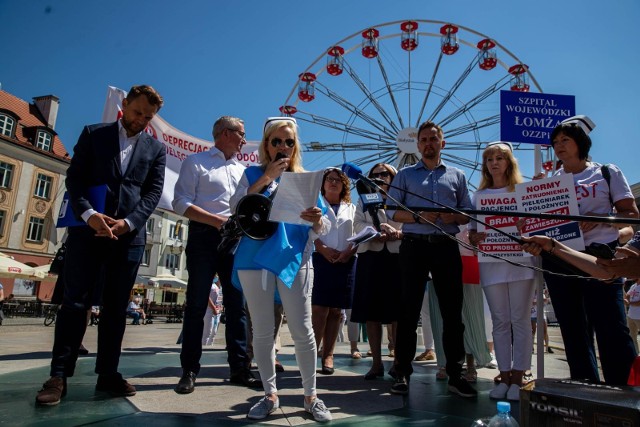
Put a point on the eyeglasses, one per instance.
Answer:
(276, 142)
(333, 180)
(242, 134)
(384, 174)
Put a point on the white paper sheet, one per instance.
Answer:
(296, 192)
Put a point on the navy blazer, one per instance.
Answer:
(132, 194)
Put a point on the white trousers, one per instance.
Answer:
(510, 305)
(211, 322)
(353, 328)
(425, 315)
(297, 304)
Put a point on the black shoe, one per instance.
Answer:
(187, 383)
(245, 378)
(400, 385)
(372, 375)
(550, 350)
(461, 387)
(115, 385)
(392, 372)
(327, 370)
(279, 367)
(82, 351)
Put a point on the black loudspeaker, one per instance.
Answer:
(252, 215)
(551, 402)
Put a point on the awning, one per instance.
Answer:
(48, 277)
(169, 282)
(11, 268)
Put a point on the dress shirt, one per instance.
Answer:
(446, 185)
(127, 145)
(207, 180)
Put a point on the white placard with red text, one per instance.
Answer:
(555, 195)
(497, 243)
(178, 144)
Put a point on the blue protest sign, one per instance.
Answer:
(531, 117)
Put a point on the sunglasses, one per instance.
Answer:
(384, 174)
(276, 142)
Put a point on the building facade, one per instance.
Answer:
(33, 163)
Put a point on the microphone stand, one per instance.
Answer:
(444, 208)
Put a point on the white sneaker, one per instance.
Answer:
(263, 408)
(319, 411)
(493, 364)
(499, 392)
(514, 393)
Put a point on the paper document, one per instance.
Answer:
(296, 192)
(364, 235)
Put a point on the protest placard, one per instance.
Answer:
(555, 195)
(497, 243)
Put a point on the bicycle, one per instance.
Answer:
(50, 315)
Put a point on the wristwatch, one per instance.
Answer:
(416, 217)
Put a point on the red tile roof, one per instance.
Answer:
(30, 117)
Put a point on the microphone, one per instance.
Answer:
(280, 155)
(371, 202)
(354, 172)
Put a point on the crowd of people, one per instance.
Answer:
(312, 272)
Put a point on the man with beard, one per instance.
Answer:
(427, 249)
(206, 182)
(121, 158)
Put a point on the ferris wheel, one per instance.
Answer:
(367, 94)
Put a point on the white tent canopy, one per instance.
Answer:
(44, 269)
(169, 280)
(11, 268)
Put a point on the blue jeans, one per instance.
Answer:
(583, 307)
(203, 262)
(136, 317)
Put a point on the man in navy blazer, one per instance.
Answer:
(130, 163)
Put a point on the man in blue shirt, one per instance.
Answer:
(428, 247)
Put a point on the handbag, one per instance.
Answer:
(58, 260)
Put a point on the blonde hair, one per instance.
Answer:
(295, 165)
(512, 173)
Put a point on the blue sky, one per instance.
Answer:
(213, 58)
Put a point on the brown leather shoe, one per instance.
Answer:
(52, 391)
(115, 385)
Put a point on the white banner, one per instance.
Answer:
(178, 144)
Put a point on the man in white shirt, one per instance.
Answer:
(205, 184)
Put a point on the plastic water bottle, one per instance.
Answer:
(503, 418)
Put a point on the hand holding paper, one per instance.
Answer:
(297, 192)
